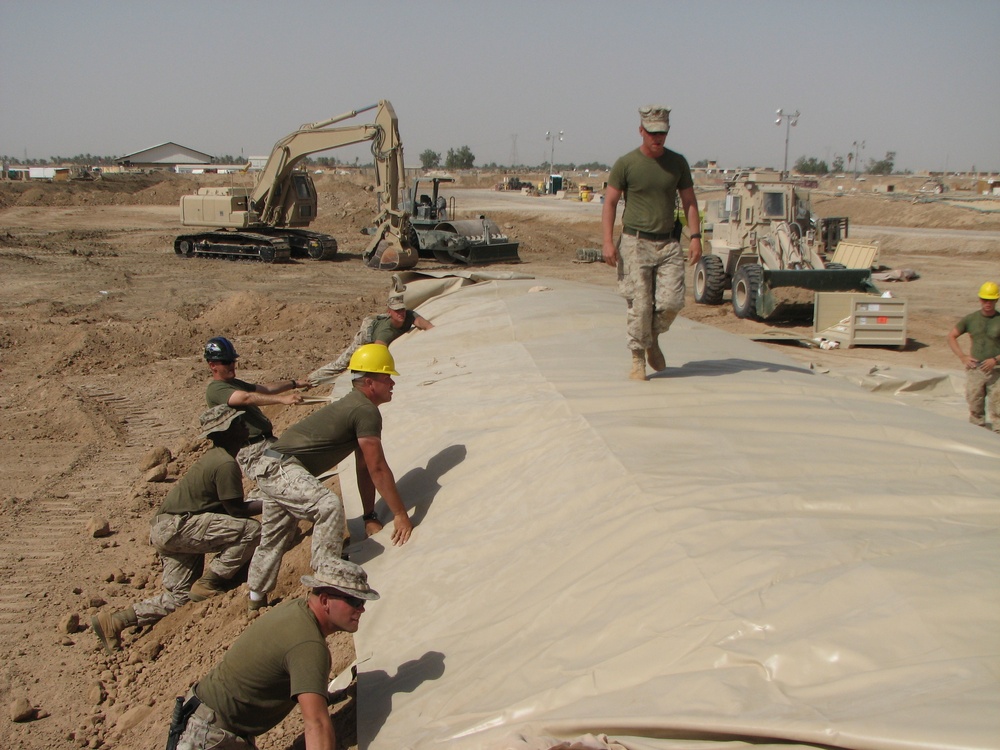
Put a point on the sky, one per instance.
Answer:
(915, 77)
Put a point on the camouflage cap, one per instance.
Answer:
(343, 576)
(217, 419)
(654, 118)
(396, 302)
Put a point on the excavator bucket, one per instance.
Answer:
(389, 254)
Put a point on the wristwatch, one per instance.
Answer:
(696, 236)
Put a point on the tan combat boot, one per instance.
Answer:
(256, 605)
(109, 626)
(655, 357)
(638, 366)
(207, 586)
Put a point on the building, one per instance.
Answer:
(164, 156)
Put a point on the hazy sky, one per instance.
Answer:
(918, 77)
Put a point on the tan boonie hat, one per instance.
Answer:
(396, 302)
(344, 576)
(217, 419)
(654, 118)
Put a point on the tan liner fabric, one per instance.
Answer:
(739, 551)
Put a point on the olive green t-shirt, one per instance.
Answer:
(329, 435)
(650, 188)
(219, 391)
(384, 333)
(985, 334)
(281, 655)
(211, 479)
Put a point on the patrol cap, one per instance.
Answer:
(396, 302)
(654, 118)
(218, 419)
(344, 576)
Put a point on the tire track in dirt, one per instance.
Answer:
(38, 543)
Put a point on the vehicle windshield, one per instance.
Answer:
(774, 205)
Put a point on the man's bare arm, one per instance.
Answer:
(319, 730)
(609, 214)
(690, 203)
(374, 473)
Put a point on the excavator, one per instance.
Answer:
(267, 223)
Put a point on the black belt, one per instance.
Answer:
(648, 235)
(257, 439)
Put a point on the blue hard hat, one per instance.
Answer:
(220, 349)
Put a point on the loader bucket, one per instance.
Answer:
(821, 280)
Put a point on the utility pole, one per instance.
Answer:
(552, 136)
(858, 148)
(790, 121)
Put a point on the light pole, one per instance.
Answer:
(858, 147)
(552, 137)
(790, 120)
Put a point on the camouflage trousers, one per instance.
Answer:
(183, 541)
(329, 372)
(290, 494)
(983, 397)
(651, 279)
(201, 733)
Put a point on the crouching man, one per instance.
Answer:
(281, 660)
(203, 513)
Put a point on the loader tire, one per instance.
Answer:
(746, 287)
(709, 280)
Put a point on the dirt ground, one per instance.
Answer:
(100, 341)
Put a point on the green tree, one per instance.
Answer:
(882, 166)
(430, 159)
(811, 166)
(461, 159)
(838, 164)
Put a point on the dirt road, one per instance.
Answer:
(100, 343)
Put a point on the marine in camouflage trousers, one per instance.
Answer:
(290, 494)
(651, 279)
(203, 733)
(983, 396)
(183, 541)
(329, 372)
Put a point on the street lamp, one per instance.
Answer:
(790, 120)
(552, 137)
(858, 147)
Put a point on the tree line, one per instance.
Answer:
(812, 165)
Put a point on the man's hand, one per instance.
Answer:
(402, 527)
(610, 253)
(986, 366)
(292, 398)
(694, 251)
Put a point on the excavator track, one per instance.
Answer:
(306, 244)
(252, 246)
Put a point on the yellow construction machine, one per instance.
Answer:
(268, 222)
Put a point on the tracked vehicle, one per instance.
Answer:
(268, 222)
(764, 236)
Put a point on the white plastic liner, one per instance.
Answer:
(738, 551)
